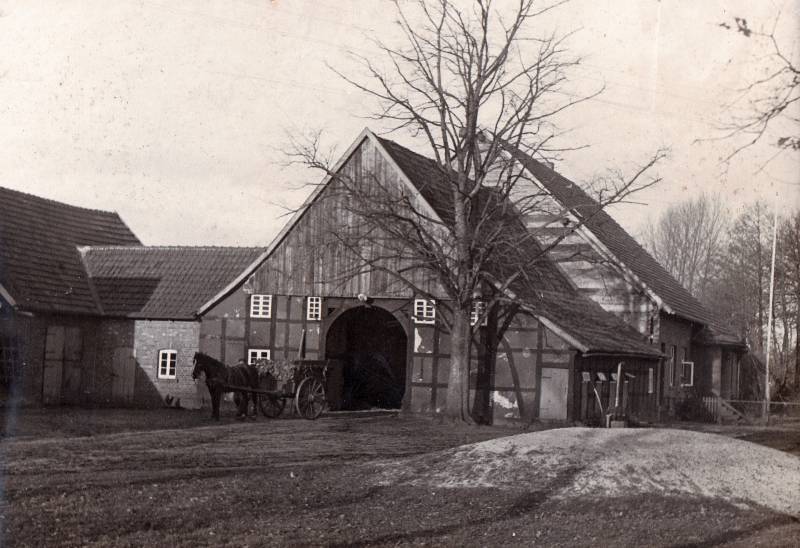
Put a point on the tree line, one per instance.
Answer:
(724, 259)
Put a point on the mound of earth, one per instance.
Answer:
(581, 462)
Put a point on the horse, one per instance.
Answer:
(219, 378)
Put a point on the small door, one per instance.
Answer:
(553, 401)
(53, 365)
(124, 375)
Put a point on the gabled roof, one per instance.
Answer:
(40, 267)
(162, 282)
(546, 293)
(621, 244)
(675, 298)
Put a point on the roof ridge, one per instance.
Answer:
(167, 247)
(29, 195)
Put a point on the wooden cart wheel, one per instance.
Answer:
(271, 406)
(310, 399)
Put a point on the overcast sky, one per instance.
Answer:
(175, 113)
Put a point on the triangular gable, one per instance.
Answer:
(366, 134)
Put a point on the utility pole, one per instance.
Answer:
(769, 317)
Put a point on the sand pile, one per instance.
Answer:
(571, 462)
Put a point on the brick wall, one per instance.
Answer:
(150, 338)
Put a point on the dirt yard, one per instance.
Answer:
(173, 478)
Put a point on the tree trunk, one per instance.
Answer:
(457, 407)
(482, 403)
(797, 348)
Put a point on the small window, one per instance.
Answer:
(314, 309)
(687, 374)
(424, 311)
(167, 360)
(650, 381)
(478, 310)
(255, 354)
(261, 306)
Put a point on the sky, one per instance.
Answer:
(176, 113)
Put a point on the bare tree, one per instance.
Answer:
(771, 102)
(477, 87)
(789, 265)
(689, 241)
(740, 294)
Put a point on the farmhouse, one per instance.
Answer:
(89, 315)
(302, 296)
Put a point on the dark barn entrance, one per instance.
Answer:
(371, 343)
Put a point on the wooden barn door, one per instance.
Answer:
(71, 376)
(124, 375)
(53, 364)
(553, 400)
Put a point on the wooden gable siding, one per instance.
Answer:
(309, 261)
(595, 276)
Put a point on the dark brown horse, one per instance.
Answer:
(220, 379)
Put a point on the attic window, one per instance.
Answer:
(167, 361)
(424, 311)
(261, 306)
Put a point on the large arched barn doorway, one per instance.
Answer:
(371, 344)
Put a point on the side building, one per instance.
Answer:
(89, 316)
(49, 313)
(606, 264)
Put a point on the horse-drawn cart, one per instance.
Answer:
(302, 381)
(268, 384)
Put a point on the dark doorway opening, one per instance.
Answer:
(371, 344)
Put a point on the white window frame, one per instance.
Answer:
(691, 373)
(424, 311)
(651, 385)
(260, 306)
(163, 372)
(254, 354)
(478, 309)
(314, 309)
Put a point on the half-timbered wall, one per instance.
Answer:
(228, 330)
(527, 350)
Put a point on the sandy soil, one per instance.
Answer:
(586, 462)
(181, 480)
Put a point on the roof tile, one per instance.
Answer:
(39, 263)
